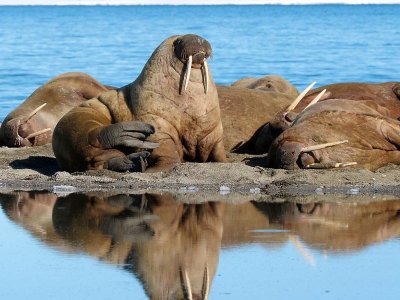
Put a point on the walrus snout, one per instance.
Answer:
(21, 133)
(193, 51)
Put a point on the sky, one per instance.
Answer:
(177, 2)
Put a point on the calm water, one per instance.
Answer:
(325, 43)
(127, 247)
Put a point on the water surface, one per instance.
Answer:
(102, 246)
(323, 43)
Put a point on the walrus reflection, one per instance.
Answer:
(385, 94)
(172, 247)
(33, 211)
(175, 93)
(33, 121)
(335, 227)
(339, 133)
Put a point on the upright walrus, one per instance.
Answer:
(32, 122)
(175, 93)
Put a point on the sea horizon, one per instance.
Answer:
(190, 2)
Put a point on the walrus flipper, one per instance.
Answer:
(85, 139)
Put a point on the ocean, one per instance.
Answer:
(323, 43)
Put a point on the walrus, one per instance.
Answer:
(244, 110)
(175, 94)
(268, 83)
(385, 94)
(338, 133)
(32, 122)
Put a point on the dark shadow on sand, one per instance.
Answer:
(45, 165)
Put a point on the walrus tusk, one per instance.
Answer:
(299, 97)
(330, 165)
(35, 111)
(322, 146)
(305, 252)
(187, 73)
(204, 70)
(206, 285)
(185, 282)
(37, 133)
(315, 100)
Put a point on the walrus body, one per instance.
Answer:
(373, 137)
(174, 93)
(56, 97)
(268, 83)
(244, 110)
(384, 94)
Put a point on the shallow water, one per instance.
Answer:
(99, 246)
(323, 43)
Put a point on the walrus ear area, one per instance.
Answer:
(192, 45)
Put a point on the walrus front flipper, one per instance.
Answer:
(135, 162)
(128, 134)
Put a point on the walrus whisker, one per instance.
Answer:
(33, 134)
(35, 111)
(204, 70)
(330, 165)
(322, 146)
(316, 99)
(187, 73)
(299, 97)
(206, 284)
(185, 283)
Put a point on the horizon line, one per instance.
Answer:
(190, 2)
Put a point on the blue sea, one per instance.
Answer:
(272, 254)
(323, 43)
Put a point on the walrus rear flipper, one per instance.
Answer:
(259, 143)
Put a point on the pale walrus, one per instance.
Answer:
(175, 93)
(32, 122)
(385, 94)
(339, 133)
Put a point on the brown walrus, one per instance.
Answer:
(175, 93)
(339, 133)
(385, 94)
(269, 83)
(244, 110)
(32, 122)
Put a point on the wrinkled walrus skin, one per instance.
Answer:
(373, 137)
(182, 106)
(385, 94)
(60, 94)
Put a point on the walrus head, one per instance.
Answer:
(338, 133)
(23, 130)
(193, 51)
